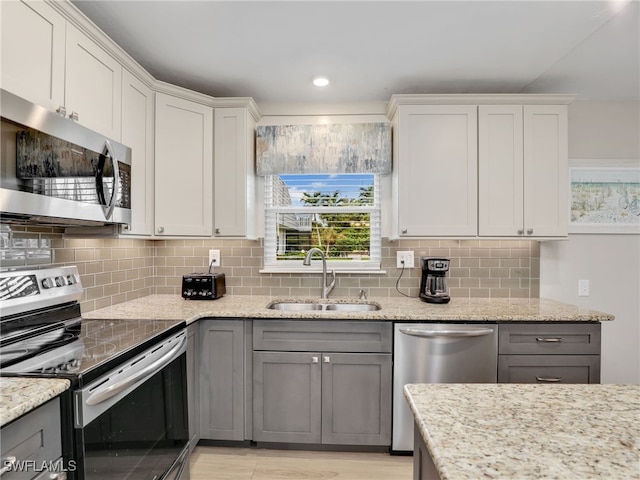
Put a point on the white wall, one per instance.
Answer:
(606, 131)
(611, 263)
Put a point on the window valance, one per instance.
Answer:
(327, 148)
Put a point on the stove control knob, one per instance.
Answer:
(60, 281)
(71, 280)
(48, 282)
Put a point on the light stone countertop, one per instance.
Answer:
(20, 395)
(508, 431)
(174, 307)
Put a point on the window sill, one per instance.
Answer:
(369, 271)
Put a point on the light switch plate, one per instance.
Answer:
(406, 257)
(214, 258)
(583, 288)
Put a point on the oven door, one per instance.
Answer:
(132, 422)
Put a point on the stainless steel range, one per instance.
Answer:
(126, 411)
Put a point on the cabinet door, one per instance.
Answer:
(137, 133)
(436, 168)
(183, 167)
(287, 397)
(500, 170)
(33, 50)
(193, 383)
(222, 379)
(35, 437)
(356, 398)
(545, 170)
(234, 178)
(93, 84)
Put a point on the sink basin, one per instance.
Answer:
(352, 307)
(323, 307)
(295, 307)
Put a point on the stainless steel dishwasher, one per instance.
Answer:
(438, 353)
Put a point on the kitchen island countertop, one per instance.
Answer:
(529, 431)
(174, 307)
(21, 395)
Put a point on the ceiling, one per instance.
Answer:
(271, 50)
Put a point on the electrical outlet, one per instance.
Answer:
(406, 257)
(583, 288)
(214, 258)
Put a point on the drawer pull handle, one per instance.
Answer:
(549, 379)
(8, 463)
(549, 339)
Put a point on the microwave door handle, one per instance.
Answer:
(107, 207)
(102, 395)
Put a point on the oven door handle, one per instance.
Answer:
(105, 394)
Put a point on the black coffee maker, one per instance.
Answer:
(433, 286)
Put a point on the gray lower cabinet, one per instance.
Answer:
(193, 384)
(32, 441)
(222, 379)
(549, 353)
(324, 396)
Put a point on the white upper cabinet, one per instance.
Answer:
(480, 165)
(234, 172)
(50, 62)
(183, 167)
(546, 171)
(93, 85)
(33, 51)
(500, 170)
(137, 133)
(435, 170)
(522, 170)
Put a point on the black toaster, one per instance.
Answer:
(203, 286)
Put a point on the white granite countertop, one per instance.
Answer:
(509, 431)
(174, 307)
(21, 395)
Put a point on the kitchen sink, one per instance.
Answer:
(323, 307)
(295, 307)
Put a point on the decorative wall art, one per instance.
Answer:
(327, 148)
(605, 199)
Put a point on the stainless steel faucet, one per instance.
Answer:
(326, 288)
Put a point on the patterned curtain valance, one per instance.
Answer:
(335, 148)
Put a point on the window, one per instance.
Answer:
(337, 213)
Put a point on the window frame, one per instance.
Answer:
(273, 265)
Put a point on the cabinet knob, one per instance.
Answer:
(530, 231)
(217, 231)
(74, 116)
(521, 231)
(314, 360)
(160, 229)
(62, 111)
(326, 359)
(404, 230)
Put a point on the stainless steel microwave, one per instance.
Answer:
(55, 171)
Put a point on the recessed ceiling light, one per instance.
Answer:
(321, 81)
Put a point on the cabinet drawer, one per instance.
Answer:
(549, 369)
(545, 339)
(34, 437)
(323, 336)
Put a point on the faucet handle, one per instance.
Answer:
(363, 295)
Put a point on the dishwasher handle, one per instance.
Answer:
(432, 333)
